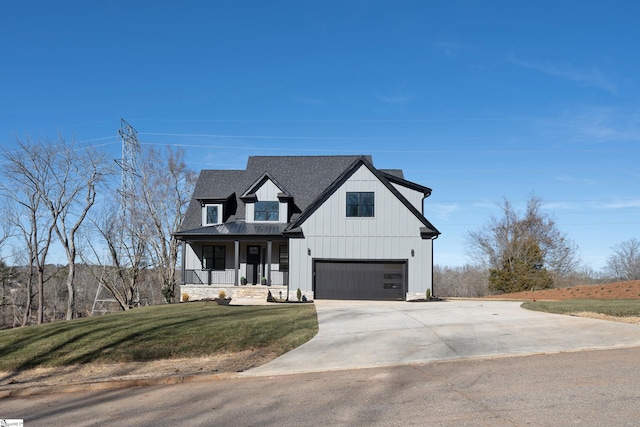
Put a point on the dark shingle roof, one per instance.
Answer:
(303, 177)
(307, 179)
(394, 172)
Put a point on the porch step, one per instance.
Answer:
(249, 292)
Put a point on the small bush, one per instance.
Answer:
(269, 297)
(185, 297)
(222, 294)
(299, 295)
(167, 293)
(428, 294)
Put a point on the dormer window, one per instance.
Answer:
(212, 214)
(266, 211)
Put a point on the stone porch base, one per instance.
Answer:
(258, 292)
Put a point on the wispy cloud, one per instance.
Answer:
(608, 125)
(307, 100)
(594, 124)
(397, 94)
(447, 47)
(554, 206)
(622, 204)
(587, 76)
(485, 205)
(573, 180)
(444, 211)
(395, 99)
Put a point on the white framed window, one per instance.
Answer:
(266, 211)
(212, 214)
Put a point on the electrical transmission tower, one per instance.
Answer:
(104, 303)
(129, 162)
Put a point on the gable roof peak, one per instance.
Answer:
(260, 181)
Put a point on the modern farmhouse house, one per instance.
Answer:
(334, 227)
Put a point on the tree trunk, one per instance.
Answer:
(27, 306)
(71, 290)
(40, 296)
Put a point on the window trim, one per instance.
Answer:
(266, 211)
(205, 217)
(361, 211)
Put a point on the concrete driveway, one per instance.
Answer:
(361, 334)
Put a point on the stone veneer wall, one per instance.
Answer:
(258, 292)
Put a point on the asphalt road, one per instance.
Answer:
(586, 388)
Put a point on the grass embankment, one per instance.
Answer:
(160, 332)
(616, 308)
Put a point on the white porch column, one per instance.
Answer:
(269, 262)
(236, 261)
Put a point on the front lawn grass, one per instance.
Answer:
(617, 308)
(160, 332)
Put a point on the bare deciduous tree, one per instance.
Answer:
(464, 281)
(624, 263)
(166, 186)
(125, 240)
(25, 173)
(529, 243)
(137, 233)
(77, 173)
(62, 179)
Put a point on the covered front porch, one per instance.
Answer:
(214, 264)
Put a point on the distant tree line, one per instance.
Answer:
(520, 251)
(61, 196)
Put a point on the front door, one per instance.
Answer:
(253, 264)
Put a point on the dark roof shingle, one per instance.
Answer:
(303, 177)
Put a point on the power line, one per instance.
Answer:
(416, 120)
(333, 150)
(338, 138)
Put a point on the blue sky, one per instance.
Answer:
(478, 100)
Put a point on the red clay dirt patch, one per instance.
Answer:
(619, 290)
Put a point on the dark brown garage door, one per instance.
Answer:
(360, 280)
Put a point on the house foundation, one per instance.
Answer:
(209, 292)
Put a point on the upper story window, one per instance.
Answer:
(360, 204)
(266, 211)
(212, 214)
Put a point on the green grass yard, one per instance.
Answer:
(195, 329)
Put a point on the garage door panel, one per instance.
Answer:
(360, 280)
